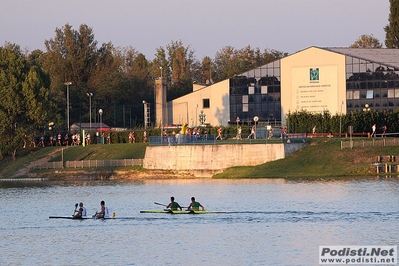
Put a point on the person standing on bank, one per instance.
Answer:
(219, 133)
(373, 128)
(384, 131)
(104, 211)
(239, 133)
(173, 205)
(194, 205)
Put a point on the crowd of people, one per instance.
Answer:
(186, 134)
(57, 140)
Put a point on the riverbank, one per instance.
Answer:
(323, 157)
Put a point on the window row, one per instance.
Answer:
(355, 104)
(245, 107)
(238, 99)
(372, 84)
(372, 94)
(255, 89)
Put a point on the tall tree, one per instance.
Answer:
(230, 61)
(366, 41)
(176, 63)
(71, 57)
(25, 107)
(392, 29)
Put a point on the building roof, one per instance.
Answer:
(389, 57)
(93, 125)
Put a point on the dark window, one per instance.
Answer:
(206, 103)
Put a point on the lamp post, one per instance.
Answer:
(67, 84)
(90, 95)
(145, 114)
(340, 120)
(366, 108)
(196, 114)
(100, 112)
(256, 118)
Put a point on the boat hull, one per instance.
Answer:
(87, 218)
(180, 212)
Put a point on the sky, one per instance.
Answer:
(206, 26)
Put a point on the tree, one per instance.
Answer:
(24, 99)
(366, 41)
(392, 29)
(70, 57)
(178, 66)
(230, 61)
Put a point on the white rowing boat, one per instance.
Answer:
(87, 217)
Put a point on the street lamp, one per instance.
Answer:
(340, 120)
(146, 114)
(101, 123)
(366, 108)
(256, 118)
(67, 84)
(196, 113)
(90, 95)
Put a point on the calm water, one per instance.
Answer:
(269, 222)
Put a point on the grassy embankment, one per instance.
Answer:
(322, 158)
(92, 152)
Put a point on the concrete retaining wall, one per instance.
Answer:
(206, 160)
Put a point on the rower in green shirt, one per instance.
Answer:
(173, 205)
(194, 205)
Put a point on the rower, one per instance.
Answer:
(81, 212)
(194, 205)
(104, 211)
(173, 205)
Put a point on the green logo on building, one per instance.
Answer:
(314, 74)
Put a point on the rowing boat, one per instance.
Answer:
(87, 217)
(180, 212)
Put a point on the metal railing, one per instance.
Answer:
(226, 139)
(369, 143)
(89, 164)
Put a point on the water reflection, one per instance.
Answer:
(268, 221)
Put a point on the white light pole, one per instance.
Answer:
(90, 95)
(196, 114)
(101, 124)
(340, 120)
(67, 84)
(145, 114)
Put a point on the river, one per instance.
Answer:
(268, 221)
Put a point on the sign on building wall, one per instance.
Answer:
(314, 88)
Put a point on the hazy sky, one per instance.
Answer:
(205, 25)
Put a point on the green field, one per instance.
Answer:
(323, 157)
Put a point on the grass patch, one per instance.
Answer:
(321, 158)
(25, 156)
(103, 152)
(92, 152)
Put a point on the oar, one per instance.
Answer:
(157, 203)
(160, 204)
(76, 205)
